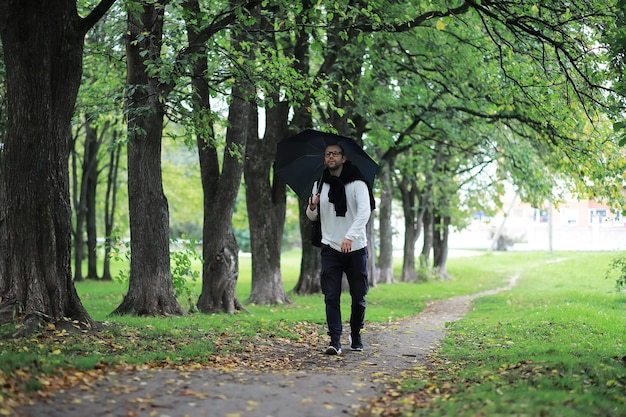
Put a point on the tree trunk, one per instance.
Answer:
(110, 203)
(385, 259)
(311, 263)
(427, 246)
(79, 211)
(91, 167)
(81, 192)
(219, 250)
(43, 45)
(412, 227)
(266, 215)
(150, 291)
(441, 227)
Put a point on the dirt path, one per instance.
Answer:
(310, 384)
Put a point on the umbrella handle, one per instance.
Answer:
(319, 184)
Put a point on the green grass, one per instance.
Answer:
(551, 346)
(177, 340)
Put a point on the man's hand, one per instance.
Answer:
(314, 201)
(346, 245)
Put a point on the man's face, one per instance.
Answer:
(333, 157)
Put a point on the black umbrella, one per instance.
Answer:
(300, 159)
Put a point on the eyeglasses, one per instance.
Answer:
(333, 153)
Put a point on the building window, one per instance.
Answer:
(597, 215)
(540, 216)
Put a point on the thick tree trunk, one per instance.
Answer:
(266, 215)
(220, 251)
(385, 259)
(150, 291)
(311, 263)
(43, 45)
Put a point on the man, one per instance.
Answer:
(345, 205)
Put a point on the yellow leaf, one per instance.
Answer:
(440, 25)
(535, 9)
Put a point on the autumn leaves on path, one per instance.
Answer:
(278, 378)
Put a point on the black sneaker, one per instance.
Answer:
(355, 343)
(333, 350)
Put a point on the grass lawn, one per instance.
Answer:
(553, 346)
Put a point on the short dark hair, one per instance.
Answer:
(343, 151)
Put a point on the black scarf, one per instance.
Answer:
(337, 192)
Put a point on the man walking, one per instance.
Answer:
(345, 204)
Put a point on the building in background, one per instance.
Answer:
(573, 225)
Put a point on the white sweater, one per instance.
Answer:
(352, 226)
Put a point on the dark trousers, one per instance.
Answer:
(334, 264)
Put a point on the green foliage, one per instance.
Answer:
(618, 266)
(184, 274)
(615, 38)
(120, 253)
(185, 267)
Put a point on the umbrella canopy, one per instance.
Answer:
(300, 159)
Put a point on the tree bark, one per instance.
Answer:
(90, 199)
(441, 227)
(385, 259)
(427, 246)
(412, 227)
(266, 215)
(220, 250)
(151, 291)
(110, 203)
(84, 196)
(43, 45)
(311, 262)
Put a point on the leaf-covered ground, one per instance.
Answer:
(269, 376)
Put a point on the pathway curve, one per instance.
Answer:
(311, 384)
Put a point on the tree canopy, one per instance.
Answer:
(453, 98)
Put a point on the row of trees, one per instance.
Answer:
(452, 98)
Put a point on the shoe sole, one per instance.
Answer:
(356, 349)
(331, 350)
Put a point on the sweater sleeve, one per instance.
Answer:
(360, 198)
(312, 214)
